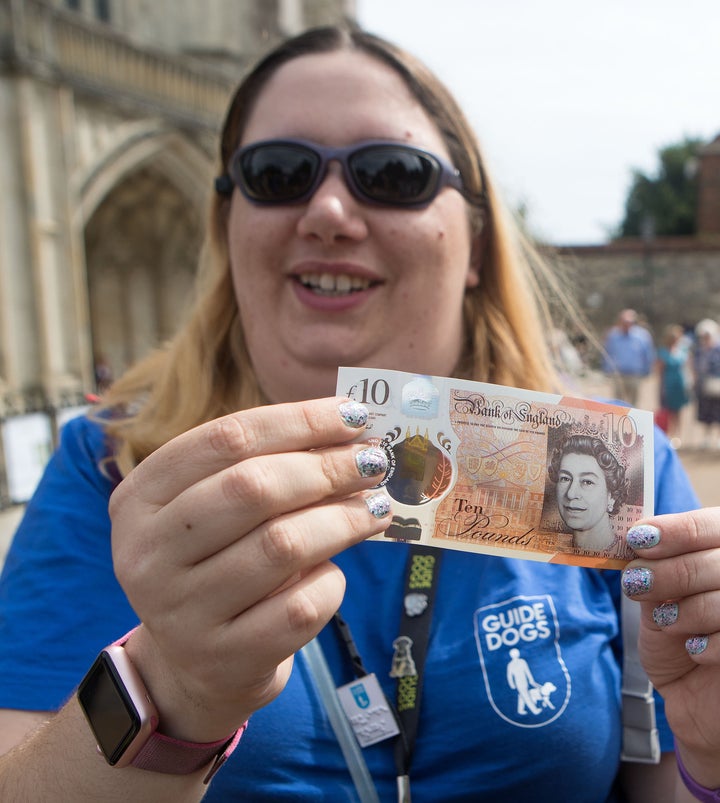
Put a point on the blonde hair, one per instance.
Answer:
(672, 333)
(206, 370)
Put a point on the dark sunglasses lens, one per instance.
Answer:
(394, 175)
(278, 172)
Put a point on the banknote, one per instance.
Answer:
(516, 473)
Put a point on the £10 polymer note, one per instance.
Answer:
(516, 473)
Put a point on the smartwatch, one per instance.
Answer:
(124, 721)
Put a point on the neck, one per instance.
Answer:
(597, 538)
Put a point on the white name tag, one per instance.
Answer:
(367, 710)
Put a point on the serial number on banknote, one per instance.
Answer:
(486, 468)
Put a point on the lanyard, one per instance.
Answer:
(410, 652)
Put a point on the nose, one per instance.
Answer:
(333, 213)
(573, 490)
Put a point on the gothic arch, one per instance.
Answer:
(143, 210)
(184, 163)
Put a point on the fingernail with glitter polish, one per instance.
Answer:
(643, 536)
(637, 581)
(378, 505)
(666, 614)
(696, 644)
(354, 414)
(371, 462)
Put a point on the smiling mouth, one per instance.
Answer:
(331, 284)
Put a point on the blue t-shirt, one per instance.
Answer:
(521, 692)
(630, 353)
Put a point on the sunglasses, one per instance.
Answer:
(376, 171)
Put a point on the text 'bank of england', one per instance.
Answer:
(485, 468)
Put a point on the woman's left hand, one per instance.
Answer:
(676, 579)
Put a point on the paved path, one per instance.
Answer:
(701, 460)
(704, 470)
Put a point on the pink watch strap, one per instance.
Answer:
(164, 754)
(175, 757)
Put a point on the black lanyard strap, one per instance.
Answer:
(411, 648)
(350, 646)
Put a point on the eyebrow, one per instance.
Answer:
(581, 474)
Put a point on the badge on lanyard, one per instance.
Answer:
(367, 710)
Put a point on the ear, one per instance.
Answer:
(220, 217)
(478, 252)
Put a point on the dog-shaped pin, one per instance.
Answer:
(403, 665)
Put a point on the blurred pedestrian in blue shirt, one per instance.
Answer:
(629, 356)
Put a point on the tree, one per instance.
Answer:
(664, 204)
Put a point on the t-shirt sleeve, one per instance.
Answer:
(673, 491)
(60, 602)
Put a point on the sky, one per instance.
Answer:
(568, 97)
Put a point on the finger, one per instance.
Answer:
(216, 512)
(699, 613)
(297, 614)
(704, 648)
(223, 442)
(675, 651)
(246, 659)
(694, 620)
(277, 555)
(666, 658)
(672, 578)
(676, 533)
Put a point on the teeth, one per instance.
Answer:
(343, 284)
(330, 283)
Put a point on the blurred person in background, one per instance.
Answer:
(706, 372)
(629, 356)
(672, 366)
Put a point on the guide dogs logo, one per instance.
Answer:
(526, 679)
(360, 695)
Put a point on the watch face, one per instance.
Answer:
(109, 709)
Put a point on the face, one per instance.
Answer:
(582, 493)
(627, 321)
(333, 280)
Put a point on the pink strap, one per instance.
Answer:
(175, 757)
(164, 754)
(121, 641)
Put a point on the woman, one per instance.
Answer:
(672, 359)
(222, 528)
(590, 487)
(706, 370)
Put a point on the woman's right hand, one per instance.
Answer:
(221, 540)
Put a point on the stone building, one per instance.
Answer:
(109, 112)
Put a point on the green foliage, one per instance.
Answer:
(664, 204)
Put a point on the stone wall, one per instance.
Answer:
(667, 280)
